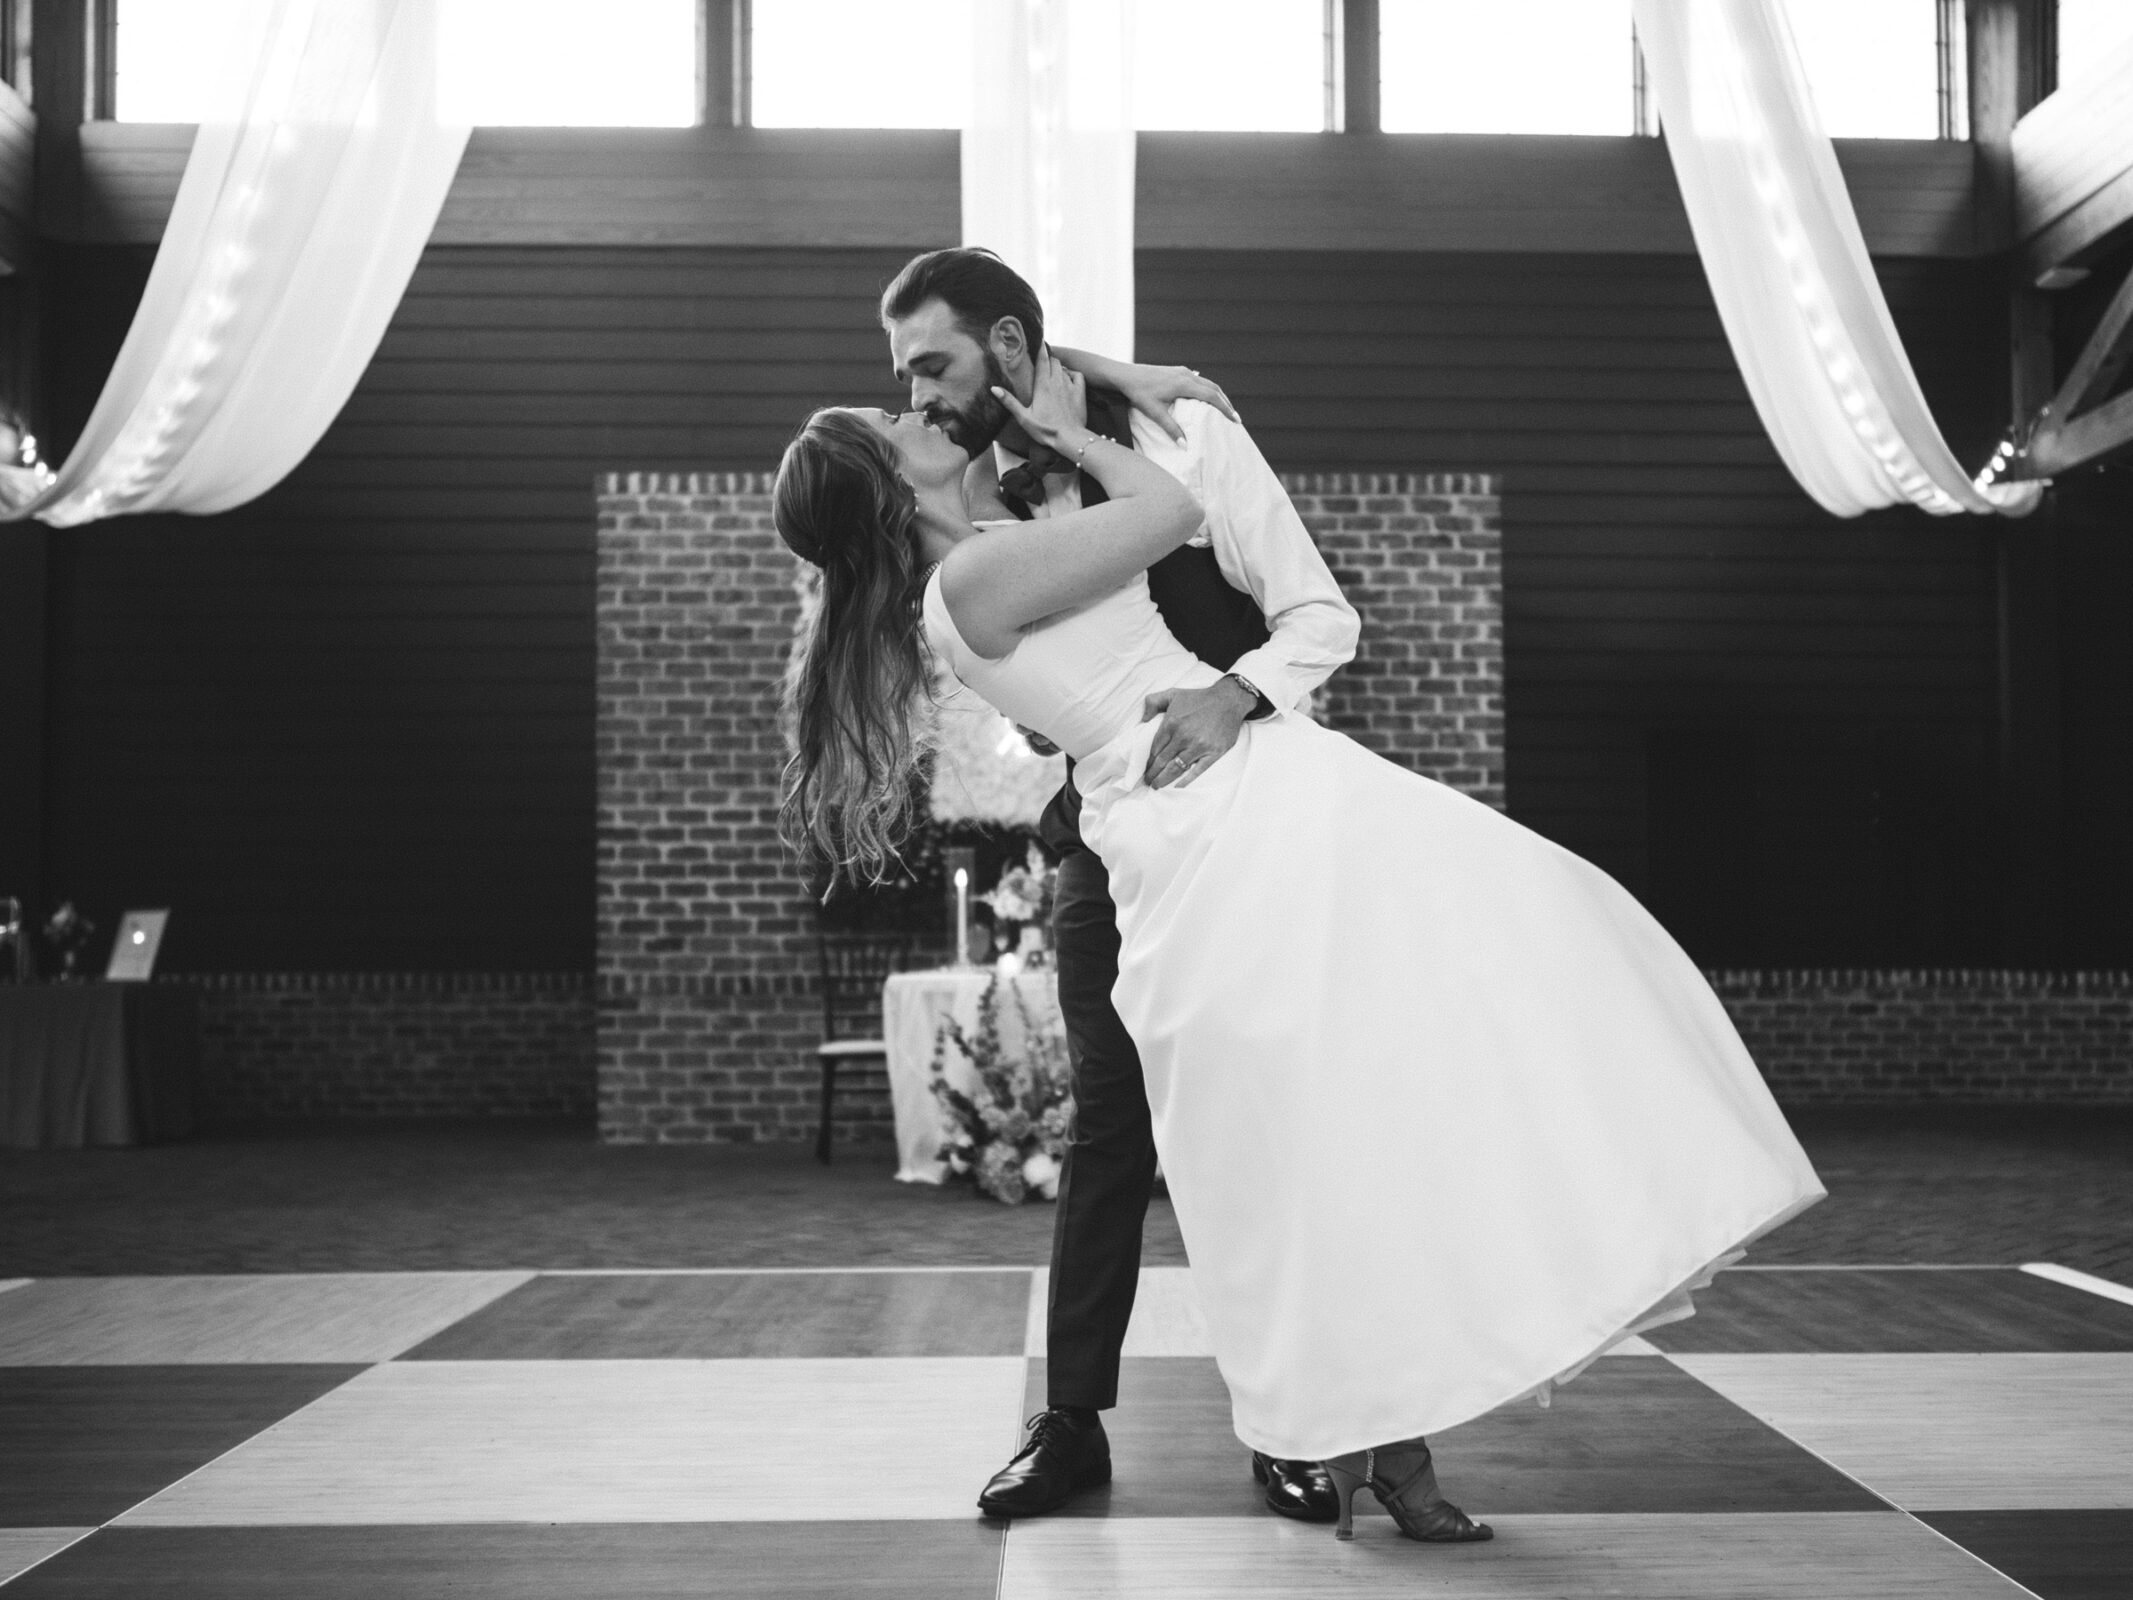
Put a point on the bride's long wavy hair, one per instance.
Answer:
(860, 675)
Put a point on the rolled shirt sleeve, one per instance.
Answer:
(1263, 549)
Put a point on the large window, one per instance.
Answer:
(860, 64)
(564, 63)
(2090, 32)
(1510, 66)
(1568, 66)
(1467, 66)
(1235, 64)
(1874, 65)
(555, 63)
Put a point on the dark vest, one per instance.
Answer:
(1214, 620)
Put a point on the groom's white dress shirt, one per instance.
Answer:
(1259, 541)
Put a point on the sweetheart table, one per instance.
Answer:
(914, 1006)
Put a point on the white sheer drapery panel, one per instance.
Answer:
(301, 215)
(1048, 160)
(1788, 267)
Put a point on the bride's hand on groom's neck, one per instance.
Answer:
(1057, 407)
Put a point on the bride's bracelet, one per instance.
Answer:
(1084, 450)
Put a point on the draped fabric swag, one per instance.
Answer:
(300, 217)
(1048, 160)
(1789, 268)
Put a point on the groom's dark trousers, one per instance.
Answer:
(1110, 1163)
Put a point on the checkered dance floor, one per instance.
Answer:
(1939, 1433)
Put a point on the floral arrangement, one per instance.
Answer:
(1009, 1135)
(1024, 894)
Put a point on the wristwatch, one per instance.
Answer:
(1264, 706)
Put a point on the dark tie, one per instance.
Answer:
(1025, 484)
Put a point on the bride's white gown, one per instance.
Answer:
(1443, 1110)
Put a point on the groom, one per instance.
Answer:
(1250, 595)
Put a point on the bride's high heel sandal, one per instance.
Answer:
(1404, 1479)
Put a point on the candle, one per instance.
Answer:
(962, 918)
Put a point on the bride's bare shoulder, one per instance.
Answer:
(968, 577)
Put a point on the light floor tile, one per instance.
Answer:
(294, 1317)
(1807, 1555)
(22, 1548)
(1166, 1316)
(621, 1441)
(1951, 1432)
(1040, 1301)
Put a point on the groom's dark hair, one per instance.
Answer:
(975, 284)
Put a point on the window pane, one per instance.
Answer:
(1873, 66)
(566, 64)
(1233, 64)
(861, 64)
(169, 52)
(1229, 64)
(1508, 66)
(551, 63)
(2089, 31)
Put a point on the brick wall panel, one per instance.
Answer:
(707, 1016)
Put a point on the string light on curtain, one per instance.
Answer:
(314, 180)
(1789, 269)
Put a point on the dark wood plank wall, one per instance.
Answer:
(350, 725)
(2094, 524)
(1686, 632)
(899, 188)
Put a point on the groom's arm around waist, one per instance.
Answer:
(1263, 549)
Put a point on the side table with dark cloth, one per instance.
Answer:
(97, 1064)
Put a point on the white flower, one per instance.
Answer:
(1041, 1172)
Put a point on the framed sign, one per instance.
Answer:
(133, 954)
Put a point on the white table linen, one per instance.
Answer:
(914, 1005)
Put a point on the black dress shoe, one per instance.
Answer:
(1298, 1489)
(1062, 1457)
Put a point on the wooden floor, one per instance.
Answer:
(1939, 1433)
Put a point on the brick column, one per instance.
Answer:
(1421, 558)
(708, 1015)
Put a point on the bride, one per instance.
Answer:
(1445, 1113)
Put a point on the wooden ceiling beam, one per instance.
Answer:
(2064, 436)
(2073, 169)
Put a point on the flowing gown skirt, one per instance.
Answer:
(1444, 1111)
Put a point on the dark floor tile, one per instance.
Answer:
(1916, 1183)
(376, 1196)
(772, 1314)
(1173, 1453)
(530, 1561)
(2060, 1555)
(81, 1444)
(1636, 1434)
(1903, 1312)
(1633, 1434)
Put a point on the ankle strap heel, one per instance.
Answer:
(1404, 1478)
(1349, 1473)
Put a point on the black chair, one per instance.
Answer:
(854, 967)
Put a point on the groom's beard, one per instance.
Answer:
(976, 425)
